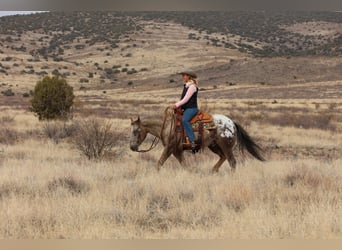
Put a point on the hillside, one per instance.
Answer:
(114, 49)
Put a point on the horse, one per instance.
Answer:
(221, 140)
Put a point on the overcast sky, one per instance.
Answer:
(10, 13)
(332, 5)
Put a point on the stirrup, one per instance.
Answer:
(193, 147)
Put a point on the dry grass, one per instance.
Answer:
(51, 190)
(47, 198)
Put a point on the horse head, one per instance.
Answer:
(138, 134)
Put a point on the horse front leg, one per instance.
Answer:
(180, 157)
(165, 155)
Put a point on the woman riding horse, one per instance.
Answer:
(188, 104)
(221, 140)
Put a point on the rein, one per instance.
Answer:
(156, 139)
(172, 125)
(153, 145)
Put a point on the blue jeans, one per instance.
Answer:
(187, 116)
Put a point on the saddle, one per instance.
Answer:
(200, 122)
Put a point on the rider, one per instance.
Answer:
(188, 104)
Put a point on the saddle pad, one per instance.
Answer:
(206, 125)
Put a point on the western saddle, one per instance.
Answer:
(200, 122)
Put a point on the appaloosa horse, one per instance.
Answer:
(220, 140)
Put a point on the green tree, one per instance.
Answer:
(53, 98)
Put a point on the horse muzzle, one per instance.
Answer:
(134, 148)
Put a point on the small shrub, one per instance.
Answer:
(131, 72)
(95, 138)
(6, 119)
(332, 106)
(7, 59)
(109, 71)
(56, 72)
(53, 98)
(73, 185)
(8, 92)
(79, 46)
(8, 136)
(84, 80)
(57, 131)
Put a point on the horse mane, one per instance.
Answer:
(158, 118)
(151, 120)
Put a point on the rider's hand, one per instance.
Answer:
(172, 106)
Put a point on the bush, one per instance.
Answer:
(53, 98)
(8, 136)
(8, 92)
(84, 80)
(131, 72)
(57, 131)
(95, 138)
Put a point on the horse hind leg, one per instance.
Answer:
(217, 150)
(227, 150)
(232, 161)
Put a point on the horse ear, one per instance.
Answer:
(138, 118)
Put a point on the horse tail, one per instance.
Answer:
(246, 142)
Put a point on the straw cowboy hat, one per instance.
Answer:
(189, 73)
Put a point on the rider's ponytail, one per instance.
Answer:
(194, 81)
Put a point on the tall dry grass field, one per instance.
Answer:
(49, 189)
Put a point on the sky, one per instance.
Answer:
(10, 13)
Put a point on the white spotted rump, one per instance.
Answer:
(225, 126)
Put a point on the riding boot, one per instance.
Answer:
(194, 147)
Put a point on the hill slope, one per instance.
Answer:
(109, 49)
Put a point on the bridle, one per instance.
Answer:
(153, 145)
(156, 139)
